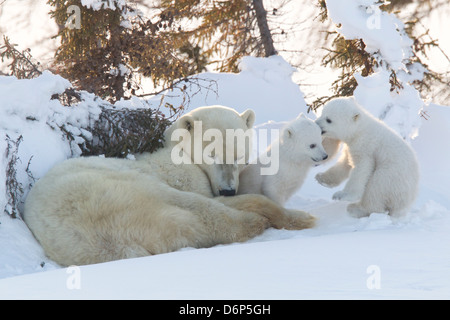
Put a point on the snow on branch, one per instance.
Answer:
(44, 121)
(378, 62)
(382, 32)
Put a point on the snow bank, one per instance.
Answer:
(336, 259)
(50, 132)
(46, 133)
(264, 84)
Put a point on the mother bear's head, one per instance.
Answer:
(218, 139)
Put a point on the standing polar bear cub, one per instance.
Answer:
(383, 169)
(92, 210)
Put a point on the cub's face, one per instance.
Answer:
(218, 140)
(339, 119)
(304, 141)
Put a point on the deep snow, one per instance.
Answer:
(342, 257)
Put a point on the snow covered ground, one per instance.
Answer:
(342, 257)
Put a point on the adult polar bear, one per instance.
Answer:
(91, 210)
(383, 169)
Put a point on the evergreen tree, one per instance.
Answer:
(111, 46)
(351, 57)
(222, 28)
(22, 65)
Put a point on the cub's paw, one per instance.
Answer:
(357, 211)
(345, 196)
(326, 180)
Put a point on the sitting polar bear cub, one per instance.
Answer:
(383, 169)
(92, 210)
(299, 148)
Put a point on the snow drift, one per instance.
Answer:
(336, 259)
(342, 257)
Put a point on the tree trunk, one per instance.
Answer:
(266, 37)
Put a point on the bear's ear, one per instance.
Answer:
(301, 116)
(288, 133)
(249, 117)
(186, 122)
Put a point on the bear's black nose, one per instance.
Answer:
(227, 192)
(325, 157)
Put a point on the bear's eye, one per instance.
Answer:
(312, 146)
(329, 120)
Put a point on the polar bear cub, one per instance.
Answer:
(382, 168)
(299, 148)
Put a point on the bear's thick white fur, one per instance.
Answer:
(92, 210)
(382, 168)
(299, 148)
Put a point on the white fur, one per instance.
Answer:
(91, 210)
(300, 148)
(382, 168)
